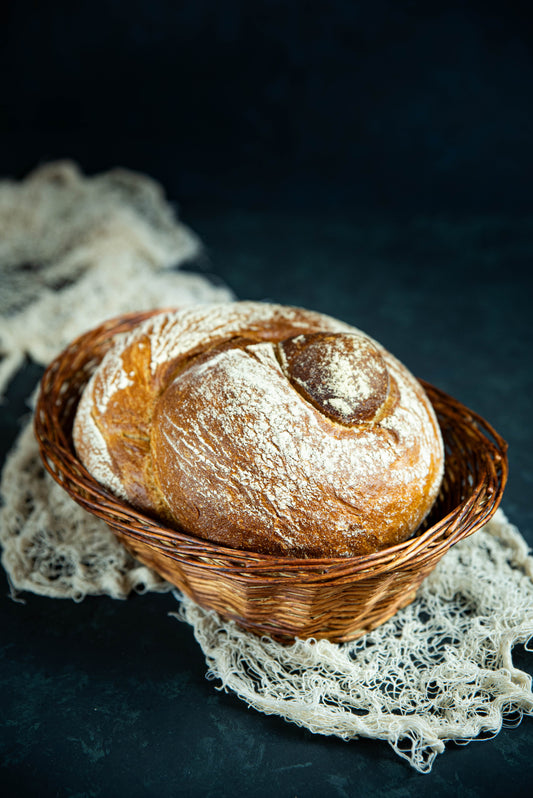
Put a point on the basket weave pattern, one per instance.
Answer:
(335, 598)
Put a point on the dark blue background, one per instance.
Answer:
(373, 104)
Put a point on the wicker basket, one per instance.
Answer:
(338, 599)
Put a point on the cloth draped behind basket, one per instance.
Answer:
(441, 669)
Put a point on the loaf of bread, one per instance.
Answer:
(265, 428)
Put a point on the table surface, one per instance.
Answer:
(108, 698)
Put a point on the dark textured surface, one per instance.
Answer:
(368, 160)
(109, 698)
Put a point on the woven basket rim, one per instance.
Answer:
(60, 460)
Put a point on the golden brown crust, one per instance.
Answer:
(265, 428)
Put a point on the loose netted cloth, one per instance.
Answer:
(75, 251)
(440, 670)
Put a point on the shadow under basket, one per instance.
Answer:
(335, 598)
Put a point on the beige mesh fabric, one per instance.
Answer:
(74, 251)
(77, 250)
(440, 670)
(53, 547)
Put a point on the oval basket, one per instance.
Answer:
(338, 599)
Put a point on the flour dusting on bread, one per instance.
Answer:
(263, 427)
